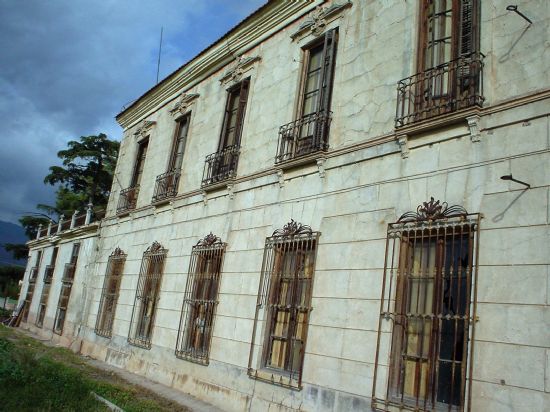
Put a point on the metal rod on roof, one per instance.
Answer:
(160, 49)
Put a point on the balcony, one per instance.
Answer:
(444, 89)
(48, 273)
(220, 166)
(304, 136)
(166, 186)
(128, 199)
(68, 273)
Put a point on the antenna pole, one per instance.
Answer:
(160, 49)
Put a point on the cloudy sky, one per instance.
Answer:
(68, 66)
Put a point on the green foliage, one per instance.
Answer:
(87, 172)
(9, 280)
(18, 251)
(31, 223)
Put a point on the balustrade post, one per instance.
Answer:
(60, 223)
(73, 219)
(88, 214)
(38, 231)
(49, 232)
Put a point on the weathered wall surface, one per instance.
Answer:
(365, 184)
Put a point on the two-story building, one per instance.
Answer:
(339, 205)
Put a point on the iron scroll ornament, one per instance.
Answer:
(118, 252)
(293, 228)
(209, 240)
(432, 210)
(156, 247)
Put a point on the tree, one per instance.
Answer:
(86, 174)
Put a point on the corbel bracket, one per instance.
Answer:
(230, 191)
(473, 125)
(321, 167)
(204, 197)
(403, 142)
(281, 176)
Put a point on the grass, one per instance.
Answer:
(36, 377)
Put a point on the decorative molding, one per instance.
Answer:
(243, 65)
(432, 210)
(155, 247)
(473, 125)
(403, 142)
(319, 18)
(118, 252)
(293, 228)
(281, 177)
(321, 167)
(185, 101)
(209, 240)
(204, 194)
(144, 129)
(230, 190)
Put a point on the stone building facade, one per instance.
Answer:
(288, 230)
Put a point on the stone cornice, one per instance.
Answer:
(271, 18)
(81, 232)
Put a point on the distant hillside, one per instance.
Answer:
(10, 233)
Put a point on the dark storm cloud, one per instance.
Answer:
(67, 67)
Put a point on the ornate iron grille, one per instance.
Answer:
(284, 304)
(428, 307)
(147, 296)
(200, 300)
(127, 199)
(303, 136)
(221, 165)
(166, 185)
(66, 287)
(447, 88)
(109, 294)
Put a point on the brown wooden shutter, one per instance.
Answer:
(327, 74)
(243, 97)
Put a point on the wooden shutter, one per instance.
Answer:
(327, 74)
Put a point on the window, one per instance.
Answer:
(222, 165)
(109, 294)
(32, 283)
(200, 300)
(449, 62)
(167, 183)
(147, 296)
(428, 297)
(284, 303)
(48, 275)
(128, 197)
(66, 286)
(309, 133)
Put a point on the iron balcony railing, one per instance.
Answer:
(127, 199)
(304, 136)
(444, 89)
(166, 185)
(48, 273)
(68, 273)
(221, 165)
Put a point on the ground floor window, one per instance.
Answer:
(109, 293)
(284, 305)
(200, 300)
(429, 300)
(147, 296)
(66, 287)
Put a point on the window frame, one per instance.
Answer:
(441, 226)
(293, 237)
(200, 301)
(33, 275)
(113, 274)
(46, 286)
(66, 287)
(147, 296)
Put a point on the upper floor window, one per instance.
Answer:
(284, 305)
(109, 293)
(222, 165)
(48, 276)
(200, 300)
(309, 133)
(128, 197)
(166, 185)
(428, 291)
(449, 62)
(147, 296)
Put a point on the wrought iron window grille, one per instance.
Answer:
(166, 185)
(221, 166)
(284, 304)
(109, 294)
(200, 300)
(429, 300)
(127, 200)
(147, 296)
